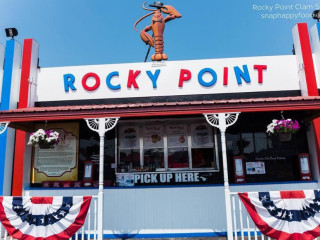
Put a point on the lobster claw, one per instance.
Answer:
(167, 9)
(146, 38)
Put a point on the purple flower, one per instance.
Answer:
(285, 126)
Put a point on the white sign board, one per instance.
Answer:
(170, 78)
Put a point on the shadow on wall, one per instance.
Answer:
(126, 235)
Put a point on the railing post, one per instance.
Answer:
(222, 121)
(101, 125)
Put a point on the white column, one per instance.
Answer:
(101, 180)
(226, 185)
(222, 121)
(101, 125)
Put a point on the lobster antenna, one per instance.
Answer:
(141, 19)
(145, 59)
(146, 8)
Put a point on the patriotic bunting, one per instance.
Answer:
(37, 218)
(285, 215)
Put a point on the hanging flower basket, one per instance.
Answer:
(45, 139)
(284, 137)
(283, 128)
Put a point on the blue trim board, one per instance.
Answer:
(5, 104)
(3, 146)
(167, 235)
(272, 183)
(174, 186)
(155, 235)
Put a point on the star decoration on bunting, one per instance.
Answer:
(284, 214)
(290, 215)
(271, 208)
(62, 213)
(279, 214)
(264, 198)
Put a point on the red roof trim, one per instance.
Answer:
(160, 108)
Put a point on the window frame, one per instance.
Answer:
(164, 123)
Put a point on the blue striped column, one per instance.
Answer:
(1, 68)
(9, 99)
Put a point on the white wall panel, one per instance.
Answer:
(168, 210)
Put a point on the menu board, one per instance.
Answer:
(129, 137)
(177, 135)
(201, 134)
(304, 163)
(153, 136)
(239, 167)
(62, 158)
(88, 170)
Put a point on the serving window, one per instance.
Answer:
(167, 145)
(168, 151)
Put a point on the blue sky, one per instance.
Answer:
(83, 32)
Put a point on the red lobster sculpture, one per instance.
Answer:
(157, 27)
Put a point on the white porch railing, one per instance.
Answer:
(243, 226)
(89, 229)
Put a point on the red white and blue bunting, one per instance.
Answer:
(285, 215)
(37, 218)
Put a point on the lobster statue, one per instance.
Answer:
(157, 27)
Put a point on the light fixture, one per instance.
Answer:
(11, 32)
(316, 15)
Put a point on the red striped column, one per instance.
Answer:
(302, 46)
(27, 97)
(306, 71)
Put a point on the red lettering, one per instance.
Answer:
(185, 75)
(85, 78)
(260, 69)
(132, 78)
(225, 76)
